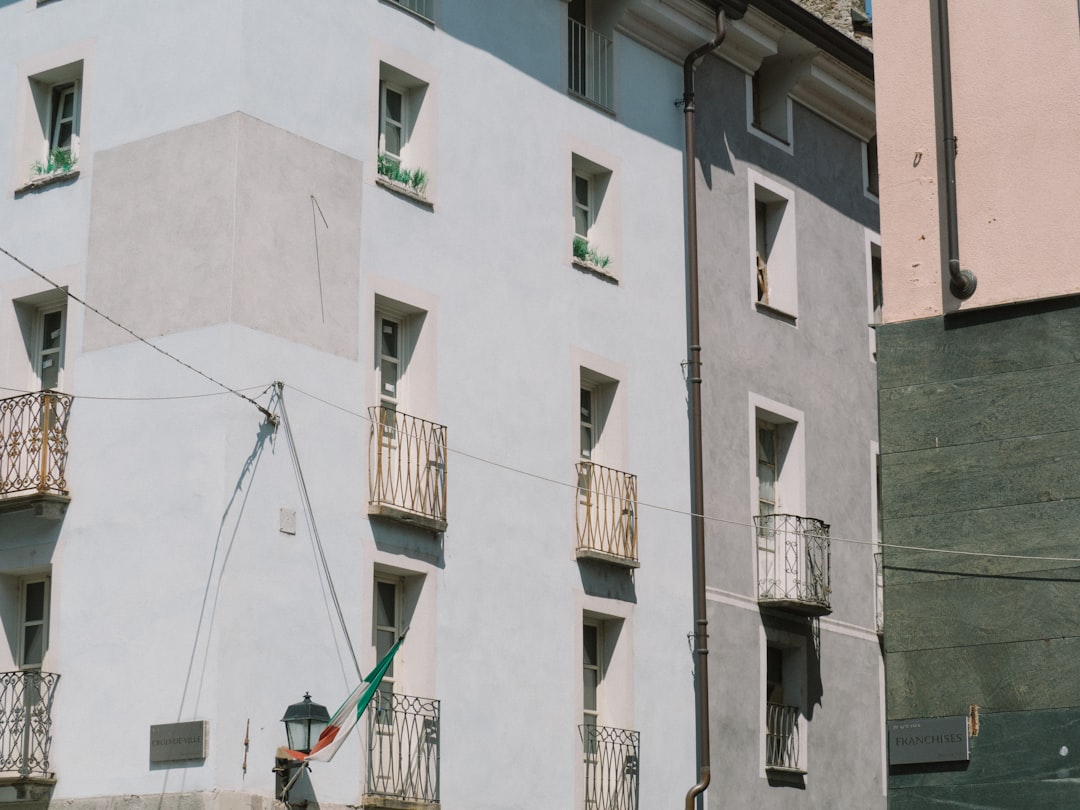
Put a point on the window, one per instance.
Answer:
(775, 282)
(784, 699)
(50, 144)
(594, 234)
(768, 442)
(33, 621)
(387, 624)
(390, 367)
(769, 112)
(592, 678)
(48, 357)
(870, 167)
(421, 8)
(406, 153)
(590, 56)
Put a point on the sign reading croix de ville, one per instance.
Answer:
(934, 739)
(174, 742)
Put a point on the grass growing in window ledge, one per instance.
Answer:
(412, 181)
(59, 165)
(583, 254)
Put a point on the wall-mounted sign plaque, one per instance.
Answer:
(934, 739)
(173, 742)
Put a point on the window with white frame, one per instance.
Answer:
(779, 485)
(406, 150)
(876, 289)
(772, 246)
(769, 110)
(592, 657)
(51, 140)
(594, 230)
(387, 621)
(784, 707)
(48, 345)
(33, 621)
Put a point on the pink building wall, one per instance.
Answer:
(1016, 96)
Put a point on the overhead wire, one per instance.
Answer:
(269, 416)
(686, 513)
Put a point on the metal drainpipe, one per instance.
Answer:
(961, 282)
(697, 491)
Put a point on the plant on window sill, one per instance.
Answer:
(589, 256)
(412, 180)
(59, 164)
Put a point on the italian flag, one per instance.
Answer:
(347, 716)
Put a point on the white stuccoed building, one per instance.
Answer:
(455, 234)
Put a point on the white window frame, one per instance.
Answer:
(392, 681)
(784, 141)
(41, 354)
(56, 120)
(587, 208)
(24, 583)
(874, 284)
(871, 172)
(384, 318)
(385, 119)
(598, 668)
(779, 232)
(793, 649)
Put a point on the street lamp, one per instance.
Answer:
(304, 722)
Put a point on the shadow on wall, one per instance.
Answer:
(412, 542)
(607, 581)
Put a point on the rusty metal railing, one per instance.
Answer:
(591, 66)
(407, 468)
(403, 748)
(793, 562)
(34, 443)
(782, 736)
(606, 513)
(26, 699)
(612, 767)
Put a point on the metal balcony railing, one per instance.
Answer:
(607, 514)
(612, 765)
(793, 563)
(407, 468)
(403, 749)
(782, 737)
(422, 8)
(26, 699)
(591, 65)
(33, 444)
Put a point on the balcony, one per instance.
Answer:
(607, 515)
(591, 66)
(33, 452)
(793, 564)
(407, 469)
(611, 767)
(26, 700)
(782, 738)
(403, 753)
(421, 8)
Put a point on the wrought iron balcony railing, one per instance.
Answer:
(422, 8)
(407, 468)
(403, 750)
(782, 737)
(793, 563)
(26, 699)
(607, 514)
(591, 65)
(612, 765)
(33, 447)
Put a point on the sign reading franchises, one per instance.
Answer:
(175, 742)
(934, 739)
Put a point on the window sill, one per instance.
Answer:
(43, 180)
(404, 191)
(768, 137)
(596, 105)
(777, 314)
(603, 556)
(595, 269)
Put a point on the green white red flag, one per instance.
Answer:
(347, 716)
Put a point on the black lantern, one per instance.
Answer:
(304, 722)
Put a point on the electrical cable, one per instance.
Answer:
(710, 518)
(269, 416)
(265, 388)
(310, 516)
